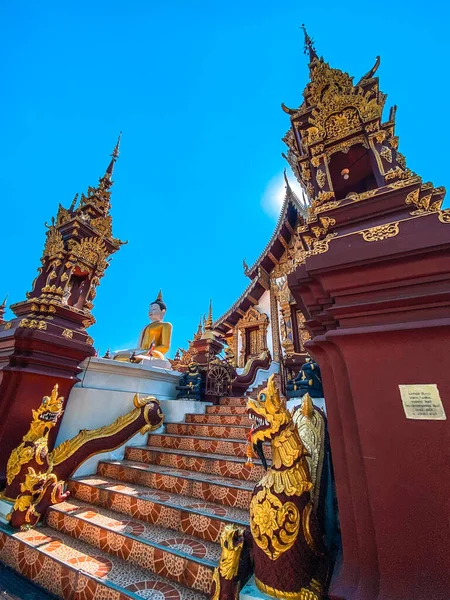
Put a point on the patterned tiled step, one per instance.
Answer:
(182, 514)
(209, 445)
(213, 464)
(235, 432)
(233, 401)
(226, 410)
(180, 558)
(223, 490)
(219, 419)
(72, 569)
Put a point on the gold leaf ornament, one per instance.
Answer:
(274, 525)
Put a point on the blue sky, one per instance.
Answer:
(196, 87)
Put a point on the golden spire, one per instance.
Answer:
(3, 308)
(159, 296)
(209, 321)
(309, 45)
(114, 156)
(74, 202)
(198, 335)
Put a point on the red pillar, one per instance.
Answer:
(380, 315)
(31, 362)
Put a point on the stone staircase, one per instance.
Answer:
(147, 526)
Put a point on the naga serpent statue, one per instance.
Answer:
(35, 477)
(284, 547)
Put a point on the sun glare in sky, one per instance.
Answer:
(274, 194)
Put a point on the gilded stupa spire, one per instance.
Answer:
(209, 320)
(3, 308)
(198, 335)
(74, 203)
(309, 45)
(107, 177)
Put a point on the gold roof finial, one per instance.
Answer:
(74, 202)
(309, 45)
(198, 335)
(114, 156)
(209, 321)
(3, 304)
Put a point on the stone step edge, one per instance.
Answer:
(103, 582)
(189, 424)
(215, 416)
(136, 538)
(196, 511)
(198, 437)
(196, 476)
(203, 455)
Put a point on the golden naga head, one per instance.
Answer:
(268, 412)
(50, 409)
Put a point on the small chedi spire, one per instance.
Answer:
(209, 320)
(74, 203)
(110, 169)
(99, 198)
(198, 335)
(3, 308)
(309, 45)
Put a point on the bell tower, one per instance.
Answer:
(338, 145)
(47, 339)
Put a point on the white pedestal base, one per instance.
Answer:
(106, 391)
(251, 592)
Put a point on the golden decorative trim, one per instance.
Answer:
(381, 232)
(274, 524)
(324, 196)
(386, 153)
(444, 216)
(345, 146)
(424, 204)
(321, 246)
(67, 333)
(321, 177)
(89, 340)
(394, 174)
(33, 324)
(7, 326)
(69, 447)
(303, 594)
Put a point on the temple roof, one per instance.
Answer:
(293, 212)
(250, 296)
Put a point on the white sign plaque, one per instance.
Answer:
(422, 401)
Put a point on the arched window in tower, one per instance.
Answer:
(352, 171)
